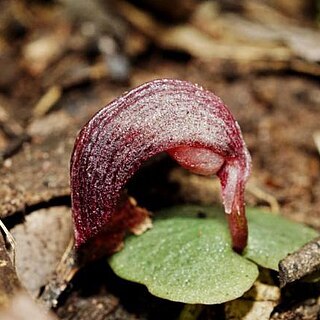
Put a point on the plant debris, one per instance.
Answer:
(61, 61)
(301, 263)
(9, 282)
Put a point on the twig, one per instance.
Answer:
(47, 101)
(301, 263)
(64, 273)
(262, 195)
(10, 242)
(9, 282)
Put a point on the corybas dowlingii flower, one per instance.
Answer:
(190, 123)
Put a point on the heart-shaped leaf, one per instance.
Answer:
(187, 256)
(272, 238)
(187, 259)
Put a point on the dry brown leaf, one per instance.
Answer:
(40, 243)
(252, 45)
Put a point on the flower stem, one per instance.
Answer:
(239, 229)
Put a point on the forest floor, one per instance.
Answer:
(61, 61)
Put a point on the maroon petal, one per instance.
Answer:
(190, 123)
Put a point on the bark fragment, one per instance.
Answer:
(301, 263)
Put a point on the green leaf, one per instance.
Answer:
(272, 237)
(187, 256)
(187, 259)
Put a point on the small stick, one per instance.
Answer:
(9, 242)
(9, 282)
(66, 269)
(301, 263)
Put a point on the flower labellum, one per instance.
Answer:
(190, 123)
